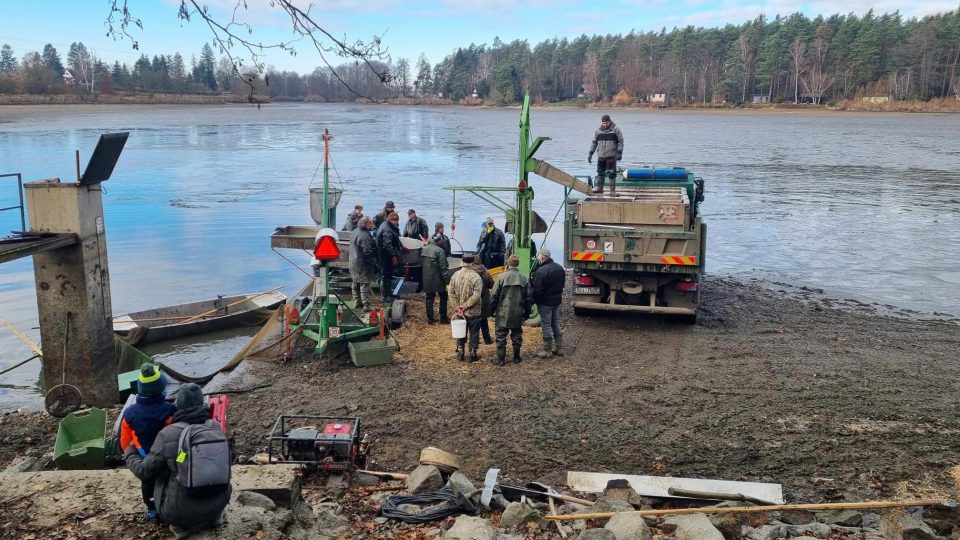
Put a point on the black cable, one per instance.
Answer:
(453, 503)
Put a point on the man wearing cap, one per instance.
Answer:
(391, 253)
(443, 241)
(382, 216)
(492, 245)
(510, 305)
(142, 420)
(353, 218)
(184, 512)
(363, 262)
(608, 144)
(416, 227)
(436, 275)
(465, 293)
(547, 284)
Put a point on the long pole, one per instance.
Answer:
(868, 505)
(325, 220)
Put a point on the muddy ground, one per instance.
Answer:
(833, 399)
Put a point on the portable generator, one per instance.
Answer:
(326, 442)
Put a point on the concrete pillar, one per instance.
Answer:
(74, 279)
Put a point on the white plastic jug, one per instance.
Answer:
(459, 328)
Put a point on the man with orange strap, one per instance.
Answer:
(144, 419)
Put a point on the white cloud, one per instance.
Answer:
(738, 12)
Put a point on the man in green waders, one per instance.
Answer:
(510, 304)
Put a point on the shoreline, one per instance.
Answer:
(802, 384)
(942, 106)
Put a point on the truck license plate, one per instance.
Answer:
(586, 290)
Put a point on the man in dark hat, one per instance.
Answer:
(608, 145)
(416, 226)
(390, 252)
(382, 216)
(184, 511)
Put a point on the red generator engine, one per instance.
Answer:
(326, 442)
(219, 404)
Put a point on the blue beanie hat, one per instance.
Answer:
(151, 381)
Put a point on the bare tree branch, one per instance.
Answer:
(234, 33)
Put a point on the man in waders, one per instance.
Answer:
(510, 305)
(608, 145)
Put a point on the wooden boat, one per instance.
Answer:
(172, 322)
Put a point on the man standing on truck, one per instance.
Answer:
(608, 145)
(547, 284)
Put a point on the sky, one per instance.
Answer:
(407, 28)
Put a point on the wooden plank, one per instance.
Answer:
(12, 251)
(658, 486)
(866, 505)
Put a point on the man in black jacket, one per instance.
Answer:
(185, 513)
(382, 216)
(443, 241)
(547, 284)
(391, 253)
(416, 226)
(363, 263)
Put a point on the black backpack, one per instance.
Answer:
(203, 458)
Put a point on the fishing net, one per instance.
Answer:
(270, 344)
(273, 343)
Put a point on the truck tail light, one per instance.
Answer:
(584, 281)
(687, 286)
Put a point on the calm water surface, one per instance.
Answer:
(864, 206)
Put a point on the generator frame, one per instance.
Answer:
(278, 435)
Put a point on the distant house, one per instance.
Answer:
(875, 99)
(760, 98)
(659, 98)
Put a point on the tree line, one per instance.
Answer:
(784, 59)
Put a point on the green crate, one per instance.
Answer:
(372, 353)
(127, 383)
(81, 440)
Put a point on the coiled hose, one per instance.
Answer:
(452, 503)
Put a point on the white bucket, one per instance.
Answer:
(459, 328)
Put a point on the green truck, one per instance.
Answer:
(640, 250)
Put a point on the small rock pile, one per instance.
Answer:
(525, 520)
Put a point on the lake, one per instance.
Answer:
(864, 206)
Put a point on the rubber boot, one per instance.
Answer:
(547, 351)
(598, 184)
(516, 355)
(501, 358)
(557, 346)
(613, 183)
(473, 355)
(460, 353)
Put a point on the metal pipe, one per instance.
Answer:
(637, 309)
